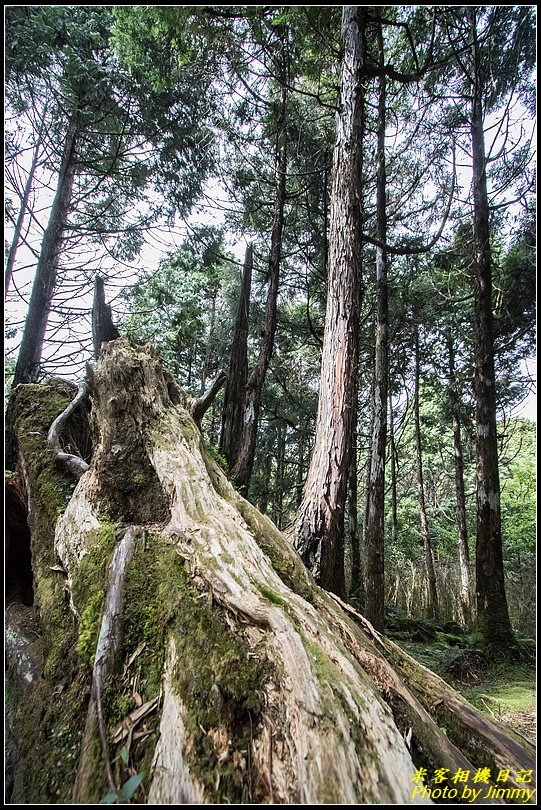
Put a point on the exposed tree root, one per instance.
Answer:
(199, 407)
(75, 464)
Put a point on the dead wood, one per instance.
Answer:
(263, 687)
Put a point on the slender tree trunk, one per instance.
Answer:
(319, 523)
(17, 235)
(492, 612)
(394, 494)
(374, 540)
(280, 473)
(238, 369)
(242, 469)
(425, 532)
(266, 473)
(28, 363)
(354, 540)
(300, 472)
(208, 349)
(462, 527)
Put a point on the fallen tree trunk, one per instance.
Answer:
(230, 676)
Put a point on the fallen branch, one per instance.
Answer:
(129, 722)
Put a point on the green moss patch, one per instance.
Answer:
(221, 683)
(48, 719)
(89, 588)
(506, 688)
(273, 544)
(129, 486)
(219, 680)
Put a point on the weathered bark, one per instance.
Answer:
(28, 362)
(318, 530)
(103, 328)
(104, 660)
(374, 539)
(425, 531)
(211, 664)
(461, 520)
(233, 411)
(492, 612)
(241, 471)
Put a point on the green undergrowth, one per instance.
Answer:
(496, 684)
(507, 688)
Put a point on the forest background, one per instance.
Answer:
(205, 136)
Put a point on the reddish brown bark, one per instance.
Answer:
(318, 532)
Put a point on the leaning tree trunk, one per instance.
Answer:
(185, 655)
(18, 231)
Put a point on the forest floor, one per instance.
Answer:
(505, 690)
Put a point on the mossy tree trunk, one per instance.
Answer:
(187, 654)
